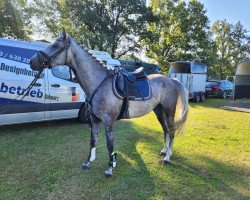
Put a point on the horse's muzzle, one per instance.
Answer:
(35, 62)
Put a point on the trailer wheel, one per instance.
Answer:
(81, 115)
(203, 97)
(197, 97)
(224, 95)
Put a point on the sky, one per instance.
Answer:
(231, 10)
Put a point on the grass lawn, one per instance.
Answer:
(211, 159)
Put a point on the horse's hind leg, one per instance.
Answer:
(169, 137)
(167, 123)
(162, 119)
(93, 140)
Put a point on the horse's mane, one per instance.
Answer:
(101, 63)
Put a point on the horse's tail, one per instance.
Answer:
(183, 102)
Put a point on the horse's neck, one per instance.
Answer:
(88, 70)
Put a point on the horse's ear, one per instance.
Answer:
(63, 34)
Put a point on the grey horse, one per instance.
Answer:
(105, 106)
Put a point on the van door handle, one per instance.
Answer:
(55, 85)
(37, 84)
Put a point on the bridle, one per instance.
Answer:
(47, 63)
(49, 58)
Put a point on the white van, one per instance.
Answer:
(56, 95)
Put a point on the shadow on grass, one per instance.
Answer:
(49, 158)
(53, 172)
(208, 178)
(33, 126)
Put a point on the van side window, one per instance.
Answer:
(63, 72)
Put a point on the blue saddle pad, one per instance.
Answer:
(141, 89)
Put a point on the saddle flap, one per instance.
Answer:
(131, 78)
(132, 85)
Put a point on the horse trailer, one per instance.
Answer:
(242, 81)
(193, 76)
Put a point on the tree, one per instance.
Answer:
(115, 26)
(181, 33)
(233, 45)
(11, 23)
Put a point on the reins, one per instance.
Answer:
(107, 76)
(27, 90)
(88, 105)
(45, 63)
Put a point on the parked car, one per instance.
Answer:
(219, 88)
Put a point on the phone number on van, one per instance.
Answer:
(14, 57)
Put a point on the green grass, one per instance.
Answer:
(211, 159)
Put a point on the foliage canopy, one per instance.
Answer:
(11, 23)
(232, 46)
(167, 30)
(182, 32)
(114, 26)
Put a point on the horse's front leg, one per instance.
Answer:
(109, 130)
(93, 140)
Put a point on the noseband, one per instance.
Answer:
(48, 58)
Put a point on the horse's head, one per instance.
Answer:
(53, 55)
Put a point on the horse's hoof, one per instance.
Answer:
(107, 175)
(166, 162)
(109, 172)
(86, 165)
(163, 153)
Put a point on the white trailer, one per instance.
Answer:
(193, 76)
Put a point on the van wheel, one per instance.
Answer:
(81, 115)
(203, 97)
(197, 98)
